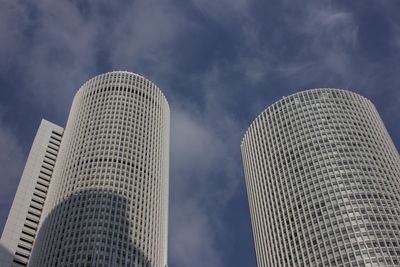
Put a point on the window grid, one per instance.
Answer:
(322, 175)
(110, 194)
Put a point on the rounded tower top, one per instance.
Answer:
(299, 97)
(119, 78)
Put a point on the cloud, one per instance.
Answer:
(199, 162)
(61, 44)
(315, 40)
(58, 45)
(144, 33)
(192, 140)
(223, 11)
(192, 237)
(51, 47)
(11, 163)
(332, 33)
(220, 63)
(13, 23)
(205, 172)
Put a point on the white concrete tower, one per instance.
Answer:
(323, 182)
(108, 201)
(23, 219)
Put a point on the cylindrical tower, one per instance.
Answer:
(323, 182)
(108, 201)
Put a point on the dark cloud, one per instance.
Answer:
(220, 63)
(11, 165)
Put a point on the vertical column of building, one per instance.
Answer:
(21, 227)
(323, 179)
(108, 204)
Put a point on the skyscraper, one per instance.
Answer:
(107, 200)
(323, 182)
(24, 217)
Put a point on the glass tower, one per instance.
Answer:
(323, 182)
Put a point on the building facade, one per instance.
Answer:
(323, 182)
(107, 202)
(23, 220)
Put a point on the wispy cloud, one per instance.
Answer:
(61, 44)
(223, 11)
(219, 62)
(56, 46)
(192, 241)
(11, 163)
(205, 173)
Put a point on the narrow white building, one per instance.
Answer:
(26, 211)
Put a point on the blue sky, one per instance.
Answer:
(219, 62)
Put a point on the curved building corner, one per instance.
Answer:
(323, 182)
(107, 203)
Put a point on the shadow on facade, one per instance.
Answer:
(89, 228)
